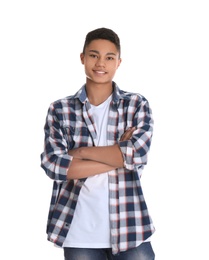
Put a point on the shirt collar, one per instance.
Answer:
(117, 94)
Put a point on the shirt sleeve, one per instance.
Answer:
(55, 159)
(136, 149)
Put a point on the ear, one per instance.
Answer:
(119, 62)
(82, 58)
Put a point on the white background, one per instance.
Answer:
(165, 51)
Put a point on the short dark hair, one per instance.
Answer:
(105, 34)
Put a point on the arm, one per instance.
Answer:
(84, 168)
(89, 161)
(109, 155)
(135, 150)
(133, 147)
(54, 159)
(60, 165)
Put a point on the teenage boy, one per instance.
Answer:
(96, 146)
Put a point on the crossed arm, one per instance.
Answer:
(89, 161)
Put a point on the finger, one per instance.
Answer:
(128, 134)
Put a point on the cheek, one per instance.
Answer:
(115, 67)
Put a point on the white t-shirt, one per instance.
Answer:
(90, 227)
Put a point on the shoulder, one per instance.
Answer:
(64, 102)
(132, 95)
(133, 98)
(69, 100)
(128, 95)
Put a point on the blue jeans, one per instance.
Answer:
(142, 252)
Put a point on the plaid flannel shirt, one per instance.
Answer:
(69, 124)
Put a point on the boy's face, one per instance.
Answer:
(101, 60)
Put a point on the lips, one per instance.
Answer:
(99, 72)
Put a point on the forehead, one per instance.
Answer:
(102, 46)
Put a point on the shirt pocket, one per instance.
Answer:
(68, 132)
(81, 136)
(77, 135)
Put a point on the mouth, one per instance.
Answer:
(100, 72)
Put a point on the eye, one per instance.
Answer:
(110, 58)
(93, 56)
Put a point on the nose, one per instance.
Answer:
(100, 62)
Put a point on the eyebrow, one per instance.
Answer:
(109, 53)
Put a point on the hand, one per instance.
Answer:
(127, 134)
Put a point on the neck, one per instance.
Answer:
(98, 93)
